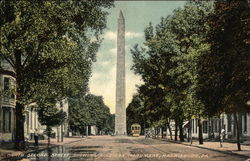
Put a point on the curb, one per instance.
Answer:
(40, 150)
(220, 151)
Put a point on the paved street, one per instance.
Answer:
(112, 148)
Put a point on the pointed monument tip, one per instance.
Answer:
(121, 15)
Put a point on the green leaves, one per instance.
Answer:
(168, 64)
(50, 115)
(224, 71)
(90, 110)
(49, 46)
(49, 41)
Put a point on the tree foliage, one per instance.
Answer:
(90, 110)
(135, 113)
(50, 45)
(196, 62)
(168, 64)
(50, 115)
(224, 71)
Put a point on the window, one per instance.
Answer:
(245, 122)
(193, 124)
(12, 93)
(31, 121)
(196, 124)
(6, 119)
(35, 124)
(204, 125)
(229, 122)
(212, 125)
(215, 125)
(219, 124)
(6, 84)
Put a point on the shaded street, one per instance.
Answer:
(106, 148)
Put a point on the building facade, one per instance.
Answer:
(7, 109)
(63, 129)
(7, 102)
(212, 127)
(32, 123)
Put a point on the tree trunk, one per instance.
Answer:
(162, 132)
(200, 131)
(19, 137)
(48, 130)
(87, 131)
(48, 140)
(158, 132)
(62, 133)
(181, 132)
(189, 131)
(176, 131)
(237, 131)
(170, 131)
(209, 128)
(166, 135)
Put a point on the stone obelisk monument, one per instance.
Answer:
(120, 113)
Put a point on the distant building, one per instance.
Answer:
(32, 122)
(62, 130)
(211, 127)
(93, 130)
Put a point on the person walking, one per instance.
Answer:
(222, 135)
(36, 137)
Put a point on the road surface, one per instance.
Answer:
(114, 148)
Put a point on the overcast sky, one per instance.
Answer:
(137, 16)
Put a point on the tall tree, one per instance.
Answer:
(224, 72)
(136, 113)
(90, 110)
(50, 116)
(169, 64)
(189, 25)
(48, 39)
(153, 64)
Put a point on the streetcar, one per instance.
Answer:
(136, 129)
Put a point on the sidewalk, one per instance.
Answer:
(7, 150)
(228, 148)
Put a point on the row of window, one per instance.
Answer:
(5, 119)
(7, 83)
(216, 124)
(6, 122)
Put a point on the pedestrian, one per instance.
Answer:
(36, 137)
(212, 135)
(222, 135)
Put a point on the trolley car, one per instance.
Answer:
(136, 129)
